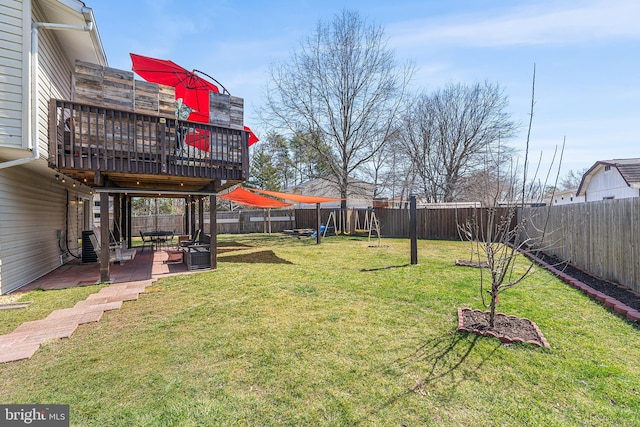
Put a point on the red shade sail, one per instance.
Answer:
(247, 198)
(297, 197)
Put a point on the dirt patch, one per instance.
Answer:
(11, 298)
(509, 329)
(476, 264)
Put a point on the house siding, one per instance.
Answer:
(566, 198)
(34, 207)
(54, 78)
(608, 184)
(359, 193)
(12, 77)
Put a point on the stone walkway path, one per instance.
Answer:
(130, 280)
(25, 340)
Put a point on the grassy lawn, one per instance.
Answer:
(286, 332)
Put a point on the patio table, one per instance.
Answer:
(158, 236)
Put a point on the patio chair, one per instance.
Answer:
(146, 240)
(195, 240)
(166, 240)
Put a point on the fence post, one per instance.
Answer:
(413, 226)
(318, 222)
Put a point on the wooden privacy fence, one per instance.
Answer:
(602, 237)
(256, 221)
(437, 224)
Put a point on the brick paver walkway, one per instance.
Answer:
(25, 340)
(130, 280)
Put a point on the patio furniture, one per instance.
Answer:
(146, 240)
(118, 251)
(198, 255)
(156, 237)
(195, 240)
(166, 240)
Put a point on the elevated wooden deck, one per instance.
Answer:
(103, 146)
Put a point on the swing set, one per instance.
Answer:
(356, 222)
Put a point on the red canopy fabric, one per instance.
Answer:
(193, 89)
(247, 198)
(199, 139)
(297, 197)
(252, 136)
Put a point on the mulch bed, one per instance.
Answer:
(621, 300)
(625, 296)
(509, 329)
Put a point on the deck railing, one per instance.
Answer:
(88, 137)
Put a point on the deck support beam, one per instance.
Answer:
(213, 231)
(104, 238)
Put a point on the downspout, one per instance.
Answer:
(34, 103)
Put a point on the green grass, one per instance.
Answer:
(286, 332)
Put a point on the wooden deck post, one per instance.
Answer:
(117, 219)
(213, 230)
(192, 223)
(187, 214)
(128, 215)
(104, 238)
(201, 213)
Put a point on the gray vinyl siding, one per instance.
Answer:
(54, 77)
(53, 69)
(32, 209)
(11, 74)
(32, 202)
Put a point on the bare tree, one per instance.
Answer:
(341, 92)
(497, 235)
(572, 179)
(449, 133)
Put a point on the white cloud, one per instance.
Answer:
(543, 23)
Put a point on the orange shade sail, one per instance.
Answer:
(247, 198)
(297, 197)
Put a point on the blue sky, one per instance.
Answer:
(586, 52)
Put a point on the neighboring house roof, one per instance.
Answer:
(629, 170)
(323, 187)
(83, 45)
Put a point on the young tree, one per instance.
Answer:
(449, 134)
(340, 93)
(496, 233)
